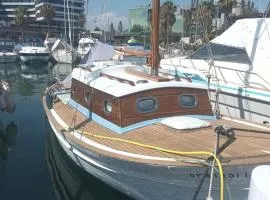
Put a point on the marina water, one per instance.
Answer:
(32, 164)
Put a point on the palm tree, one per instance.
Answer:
(203, 17)
(167, 19)
(21, 19)
(48, 12)
(120, 27)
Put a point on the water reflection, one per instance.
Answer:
(25, 175)
(8, 137)
(9, 72)
(71, 182)
(61, 71)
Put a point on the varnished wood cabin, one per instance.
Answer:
(145, 103)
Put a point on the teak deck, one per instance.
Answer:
(251, 146)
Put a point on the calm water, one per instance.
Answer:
(32, 164)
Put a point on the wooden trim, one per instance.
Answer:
(121, 80)
(147, 76)
(131, 52)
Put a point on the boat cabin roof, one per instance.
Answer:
(122, 80)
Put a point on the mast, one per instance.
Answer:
(155, 37)
(69, 25)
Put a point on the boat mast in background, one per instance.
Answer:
(155, 37)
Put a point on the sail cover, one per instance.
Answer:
(246, 41)
(99, 52)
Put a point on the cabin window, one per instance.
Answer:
(108, 106)
(145, 105)
(187, 100)
(87, 97)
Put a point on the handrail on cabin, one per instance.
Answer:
(121, 80)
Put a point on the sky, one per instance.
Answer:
(103, 12)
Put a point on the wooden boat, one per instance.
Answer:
(151, 135)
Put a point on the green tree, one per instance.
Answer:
(48, 12)
(136, 28)
(203, 16)
(120, 27)
(149, 17)
(167, 20)
(21, 19)
(187, 18)
(112, 31)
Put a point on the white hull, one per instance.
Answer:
(32, 58)
(8, 57)
(34, 54)
(63, 56)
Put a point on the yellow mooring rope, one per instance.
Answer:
(163, 150)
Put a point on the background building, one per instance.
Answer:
(37, 21)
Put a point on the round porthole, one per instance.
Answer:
(147, 105)
(188, 101)
(108, 106)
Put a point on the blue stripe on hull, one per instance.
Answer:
(120, 130)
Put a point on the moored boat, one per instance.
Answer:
(34, 53)
(85, 45)
(7, 53)
(150, 134)
(62, 52)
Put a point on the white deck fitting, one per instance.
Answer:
(184, 123)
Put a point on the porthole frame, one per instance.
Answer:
(145, 98)
(184, 106)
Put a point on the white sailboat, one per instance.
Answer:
(61, 51)
(85, 45)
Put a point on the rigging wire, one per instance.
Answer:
(211, 65)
